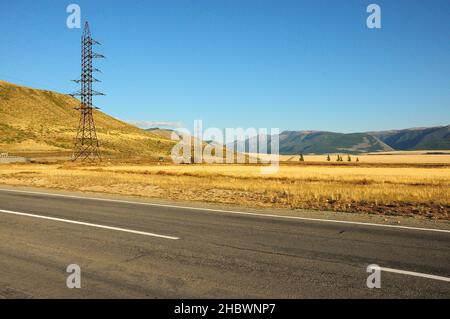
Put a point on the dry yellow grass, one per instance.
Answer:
(37, 121)
(419, 191)
(400, 157)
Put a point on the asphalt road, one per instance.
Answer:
(128, 250)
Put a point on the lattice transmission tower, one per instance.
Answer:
(86, 143)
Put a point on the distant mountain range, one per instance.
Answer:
(432, 138)
(320, 142)
(297, 142)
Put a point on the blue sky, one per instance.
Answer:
(296, 65)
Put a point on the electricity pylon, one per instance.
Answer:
(86, 143)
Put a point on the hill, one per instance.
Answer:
(163, 132)
(320, 142)
(296, 142)
(33, 120)
(433, 138)
(317, 142)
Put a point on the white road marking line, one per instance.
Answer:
(88, 224)
(415, 274)
(228, 211)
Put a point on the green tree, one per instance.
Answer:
(328, 158)
(349, 159)
(302, 159)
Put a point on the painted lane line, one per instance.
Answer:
(415, 274)
(89, 224)
(228, 211)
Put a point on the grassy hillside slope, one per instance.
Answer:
(319, 142)
(293, 142)
(34, 120)
(433, 138)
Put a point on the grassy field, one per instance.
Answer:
(394, 157)
(414, 190)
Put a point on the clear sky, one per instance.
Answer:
(296, 65)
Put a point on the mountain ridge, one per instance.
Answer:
(323, 142)
(430, 138)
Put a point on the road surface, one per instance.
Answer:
(134, 250)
